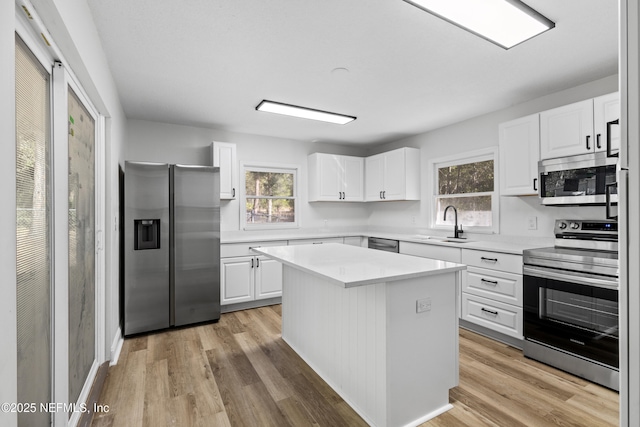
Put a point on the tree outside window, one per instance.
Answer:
(269, 197)
(468, 185)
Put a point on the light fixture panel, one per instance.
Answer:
(506, 23)
(303, 112)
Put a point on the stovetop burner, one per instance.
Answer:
(580, 246)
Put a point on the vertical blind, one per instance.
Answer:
(33, 225)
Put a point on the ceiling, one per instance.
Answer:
(400, 70)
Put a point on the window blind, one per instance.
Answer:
(33, 225)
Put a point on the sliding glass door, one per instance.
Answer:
(82, 248)
(59, 223)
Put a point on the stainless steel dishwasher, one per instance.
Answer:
(384, 244)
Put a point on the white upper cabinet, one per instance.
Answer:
(374, 181)
(224, 157)
(394, 175)
(606, 114)
(519, 155)
(336, 178)
(567, 130)
(353, 178)
(579, 128)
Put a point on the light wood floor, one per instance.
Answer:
(239, 372)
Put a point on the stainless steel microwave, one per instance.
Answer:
(586, 179)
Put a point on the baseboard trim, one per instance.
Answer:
(116, 347)
(250, 304)
(94, 395)
(489, 333)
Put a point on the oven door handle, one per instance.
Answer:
(570, 278)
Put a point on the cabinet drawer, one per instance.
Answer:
(244, 249)
(497, 285)
(316, 241)
(500, 317)
(425, 250)
(493, 260)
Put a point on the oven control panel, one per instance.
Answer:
(579, 226)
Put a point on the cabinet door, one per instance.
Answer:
(567, 130)
(606, 109)
(353, 178)
(519, 155)
(329, 177)
(395, 175)
(374, 168)
(224, 157)
(355, 241)
(268, 278)
(237, 280)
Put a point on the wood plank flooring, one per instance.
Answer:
(239, 372)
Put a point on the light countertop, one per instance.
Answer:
(350, 266)
(476, 243)
(515, 247)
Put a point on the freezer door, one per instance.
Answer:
(146, 247)
(196, 237)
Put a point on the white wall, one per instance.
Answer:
(482, 132)
(162, 142)
(8, 352)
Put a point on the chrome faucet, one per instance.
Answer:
(456, 231)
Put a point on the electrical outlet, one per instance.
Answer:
(413, 219)
(532, 223)
(423, 305)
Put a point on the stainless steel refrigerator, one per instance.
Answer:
(171, 248)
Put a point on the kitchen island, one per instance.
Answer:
(380, 328)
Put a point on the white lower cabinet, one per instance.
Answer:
(492, 291)
(356, 241)
(503, 318)
(425, 250)
(249, 278)
(318, 241)
(245, 277)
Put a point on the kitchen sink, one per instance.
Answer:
(441, 239)
(454, 240)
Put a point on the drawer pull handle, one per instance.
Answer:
(491, 282)
(495, 313)
(489, 259)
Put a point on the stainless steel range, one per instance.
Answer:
(571, 301)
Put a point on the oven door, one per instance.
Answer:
(573, 312)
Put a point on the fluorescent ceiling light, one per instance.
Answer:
(303, 112)
(503, 22)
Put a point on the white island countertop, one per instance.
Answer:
(350, 266)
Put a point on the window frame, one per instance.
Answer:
(274, 168)
(490, 153)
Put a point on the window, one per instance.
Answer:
(269, 197)
(468, 184)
